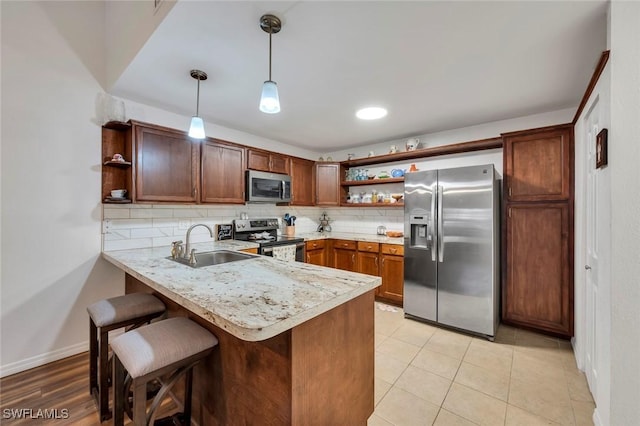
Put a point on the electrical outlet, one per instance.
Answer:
(184, 224)
(106, 226)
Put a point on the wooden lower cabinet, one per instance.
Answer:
(368, 258)
(316, 252)
(392, 273)
(344, 255)
(538, 285)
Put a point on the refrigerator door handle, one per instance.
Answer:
(434, 238)
(440, 225)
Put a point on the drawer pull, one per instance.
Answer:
(393, 250)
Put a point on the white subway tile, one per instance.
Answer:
(117, 234)
(148, 233)
(130, 223)
(127, 244)
(109, 213)
(165, 223)
(151, 213)
(189, 213)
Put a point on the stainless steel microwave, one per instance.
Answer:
(263, 187)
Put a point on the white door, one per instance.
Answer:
(597, 249)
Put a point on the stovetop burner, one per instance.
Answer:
(261, 231)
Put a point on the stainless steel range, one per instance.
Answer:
(265, 233)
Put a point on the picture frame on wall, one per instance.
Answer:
(601, 149)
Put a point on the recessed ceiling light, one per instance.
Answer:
(371, 113)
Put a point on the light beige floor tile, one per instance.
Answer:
(535, 370)
(505, 334)
(388, 368)
(398, 349)
(414, 332)
(405, 409)
(387, 325)
(381, 387)
(583, 412)
(448, 343)
(485, 381)
(547, 400)
(475, 406)
(447, 418)
(424, 384)
(578, 386)
(497, 359)
(437, 363)
(378, 421)
(518, 417)
(498, 348)
(379, 338)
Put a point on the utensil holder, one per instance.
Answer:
(289, 231)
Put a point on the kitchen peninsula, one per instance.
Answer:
(296, 340)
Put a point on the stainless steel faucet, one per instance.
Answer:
(187, 248)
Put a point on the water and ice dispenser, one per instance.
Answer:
(420, 235)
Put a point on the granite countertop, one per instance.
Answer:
(370, 238)
(253, 299)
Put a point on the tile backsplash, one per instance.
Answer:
(154, 225)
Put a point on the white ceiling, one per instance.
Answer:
(434, 65)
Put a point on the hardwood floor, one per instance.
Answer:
(56, 393)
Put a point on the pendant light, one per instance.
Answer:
(269, 101)
(196, 129)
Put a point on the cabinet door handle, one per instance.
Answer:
(315, 245)
(393, 250)
(353, 258)
(376, 260)
(308, 258)
(345, 245)
(368, 247)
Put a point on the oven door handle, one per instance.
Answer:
(270, 249)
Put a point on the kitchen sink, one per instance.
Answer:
(217, 257)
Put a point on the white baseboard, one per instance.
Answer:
(597, 421)
(42, 359)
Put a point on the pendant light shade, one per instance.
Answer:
(270, 101)
(196, 129)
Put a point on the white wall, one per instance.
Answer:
(624, 161)
(51, 71)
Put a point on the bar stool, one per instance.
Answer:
(173, 346)
(131, 310)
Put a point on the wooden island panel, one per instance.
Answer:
(317, 373)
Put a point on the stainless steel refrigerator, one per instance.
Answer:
(451, 270)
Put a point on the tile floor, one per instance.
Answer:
(428, 375)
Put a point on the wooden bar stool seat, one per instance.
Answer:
(170, 347)
(131, 311)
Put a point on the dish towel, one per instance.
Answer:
(286, 253)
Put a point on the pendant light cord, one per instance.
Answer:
(270, 32)
(198, 99)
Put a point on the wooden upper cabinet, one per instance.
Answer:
(327, 184)
(167, 162)
(538, 289)
(538, 164)
(267, 161)
(302, 188)
(222, 176)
